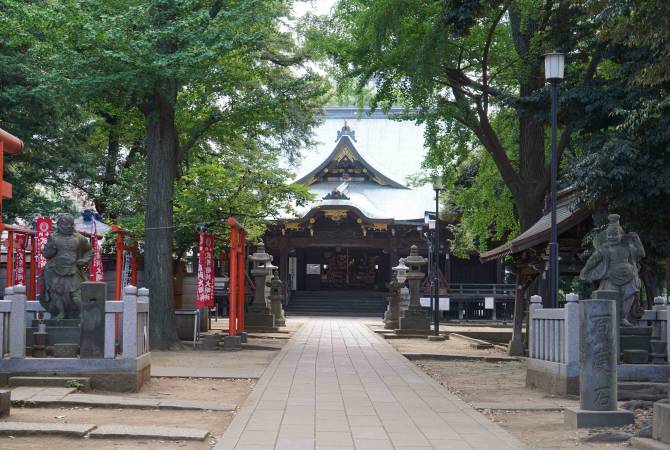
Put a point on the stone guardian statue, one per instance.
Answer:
(615, 264)
(68, 254)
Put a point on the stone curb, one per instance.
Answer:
(148, 432)
(126, 403)
(453, 357)
(35, 429)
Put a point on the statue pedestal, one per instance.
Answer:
(414, 321)
(260, 319)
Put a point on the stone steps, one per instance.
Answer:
(345, 303)
(642, 390)
(85, 382)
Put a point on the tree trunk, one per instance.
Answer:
(161, 150)
(516, 345)
(113, 151)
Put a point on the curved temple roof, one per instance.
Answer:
(345, 180)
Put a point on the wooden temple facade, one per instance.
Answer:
(359, 224)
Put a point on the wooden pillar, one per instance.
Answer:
(283, 262)
(33, 268)
(133, 265)
(233, 279)
(241, 273)
(9, 266)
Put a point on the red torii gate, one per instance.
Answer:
(237, 262)
(12, 145)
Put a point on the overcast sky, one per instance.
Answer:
(395, 148)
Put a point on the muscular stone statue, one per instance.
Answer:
(615, 264)
(68, 254)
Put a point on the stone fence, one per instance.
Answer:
(553, 346)
(133, 313)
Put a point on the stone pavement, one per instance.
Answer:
(338, 385)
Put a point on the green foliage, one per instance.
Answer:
(246, 184)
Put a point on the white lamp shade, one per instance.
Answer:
(554, 66)
(401, 271)
(431, 224)
(437, 183)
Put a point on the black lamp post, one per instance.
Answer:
(437, 187)
(554, 65)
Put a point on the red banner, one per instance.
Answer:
(205, 294)
(96, 272)
(20, 260)
(43, 230)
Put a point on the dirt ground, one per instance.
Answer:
(497, 389)
(259, 354)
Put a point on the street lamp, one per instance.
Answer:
(437, 187)
(554, 66)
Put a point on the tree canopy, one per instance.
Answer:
(180, 72)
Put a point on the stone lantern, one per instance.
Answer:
(260, 316)
(414, 319)
(393, 313)
(275, 285)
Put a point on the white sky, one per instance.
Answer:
(320, 7)
(395, 148)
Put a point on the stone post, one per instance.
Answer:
(275, 285)
(92, 332)
(129, 337)
(391, 319)
(260, 317)
(597, 369)
(658, 341)
(414, 320)
(17, 322)
(572, 332)
(534, 338)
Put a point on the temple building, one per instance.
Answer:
(344, 243)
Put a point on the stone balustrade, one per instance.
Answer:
(553, 345)
(16, 313)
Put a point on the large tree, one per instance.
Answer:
(187, 67)
(464, 62)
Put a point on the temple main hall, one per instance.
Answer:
(336, 254)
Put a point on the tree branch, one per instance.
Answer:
(196, 133)
(215, 9)
(485, 55)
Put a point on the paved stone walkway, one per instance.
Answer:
(338, 385)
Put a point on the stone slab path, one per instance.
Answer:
(39, 396)
(338, 385)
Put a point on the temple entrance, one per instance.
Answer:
(342, 269)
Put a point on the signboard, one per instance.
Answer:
(313, 269)
(443, 306)
(96, 272)
(293, 272)
(205, 293)
(43, 229)
(489, 303)
(20, 260)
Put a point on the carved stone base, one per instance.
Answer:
(390, 324)
(413, 321)
(278, 312)
(260, 319)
